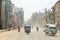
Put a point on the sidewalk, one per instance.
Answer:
(6, 35)
(10, 35)
(2, 31)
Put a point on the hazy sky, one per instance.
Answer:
(31, 6)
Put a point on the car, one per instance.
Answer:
(50, 29)
(27, 29)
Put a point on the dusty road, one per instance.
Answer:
(34, 35)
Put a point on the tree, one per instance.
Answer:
(34, 18)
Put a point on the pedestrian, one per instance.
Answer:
(37, 28)
(9, 27)
(18, 29)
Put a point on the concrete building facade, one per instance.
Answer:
(6, 10)
(54, 17)
(55, 13)
(21, 17)
(56, 10)
(10, 15)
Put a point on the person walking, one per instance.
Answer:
(37, 28)
(18, 29)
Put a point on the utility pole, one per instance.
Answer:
(53, 9)
(46, 15)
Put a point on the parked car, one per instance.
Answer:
(50, 29)
(27, 29)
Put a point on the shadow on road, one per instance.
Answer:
(55, 36)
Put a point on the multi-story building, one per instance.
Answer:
(8, 12)
(49, 17)
(56, 10)
(21, 17)
(13, 16)
(54, 16)
(16, 12)
(0, 14)
(5, 10)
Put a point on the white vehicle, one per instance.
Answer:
(50, 29)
